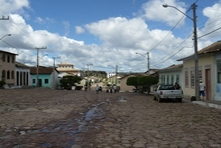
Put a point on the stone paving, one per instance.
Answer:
(117, 120)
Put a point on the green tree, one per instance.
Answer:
(143, 83)
(132, 81)
(68, 81)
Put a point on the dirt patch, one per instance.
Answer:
(28, 107)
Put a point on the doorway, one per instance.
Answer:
(208, 84)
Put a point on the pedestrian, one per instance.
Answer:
(111, 89)
(202, 89)
(115, 88)
(97, 88)
(85, 88)
(176, 86)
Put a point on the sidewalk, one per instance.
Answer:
(207, 103)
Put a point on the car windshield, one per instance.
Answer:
(167, 87)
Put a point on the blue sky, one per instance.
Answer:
(106, 32)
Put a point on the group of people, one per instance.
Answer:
(201, 88)
(111, 89)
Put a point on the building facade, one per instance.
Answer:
(7, 67)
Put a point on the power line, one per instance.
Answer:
(174, 50)
(209, 33)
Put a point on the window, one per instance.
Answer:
(167, 79)
(8, 74)
(13, 59)
(8, 58)
(219, 72)
(12, 74)
(33, 81)
(46, 81)
(186, 78)
(172, 79)
(161, 77)
(192, 74)
(3, 74)
(3, 57)
(177, 79)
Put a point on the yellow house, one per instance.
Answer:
(7, 67)
(209, 61)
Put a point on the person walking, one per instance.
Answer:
(115, 88)
(85, 88)
(97, 88)
(202, 89)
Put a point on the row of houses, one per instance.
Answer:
(16, 74)
(209, 61)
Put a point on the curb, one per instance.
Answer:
(207, 104)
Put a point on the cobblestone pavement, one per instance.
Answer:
(118, 120)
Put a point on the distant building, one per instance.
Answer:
(47, 77)
(67, 69)
(23, 77)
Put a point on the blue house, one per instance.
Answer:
(47, 77)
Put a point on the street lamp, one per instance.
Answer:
(195, 46)
(5, 36)
(88, 74)
(116, 82)
(148, 60)
(54, 70)
(37, 48)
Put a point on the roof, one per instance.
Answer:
(7, 52)
(215, 47)
(21, 65)
(42, 70)
(172, 67)
(66, 64)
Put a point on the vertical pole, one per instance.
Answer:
(196, 53)
(116, 81)
(88, 76)
(54, 86)
(148, 63)
(37, 82)
(37, 68)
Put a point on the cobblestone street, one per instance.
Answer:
(78, 119)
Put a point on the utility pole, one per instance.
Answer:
(148, 63)
(54, 83)
(88, 75)
(116, 75)
(37, 82)
(196, 53)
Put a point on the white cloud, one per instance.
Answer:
(120, 39)
(154, 11)
(79, 29)
(214, 20)
(66, 25)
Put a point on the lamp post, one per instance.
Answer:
(37, 48)
(195, 46)
(88, 74)
(5, 36)
(116, 69)
(54, 84)
(148, 60)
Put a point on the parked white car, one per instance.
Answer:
(167, 91)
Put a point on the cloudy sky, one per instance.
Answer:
(106, 33)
